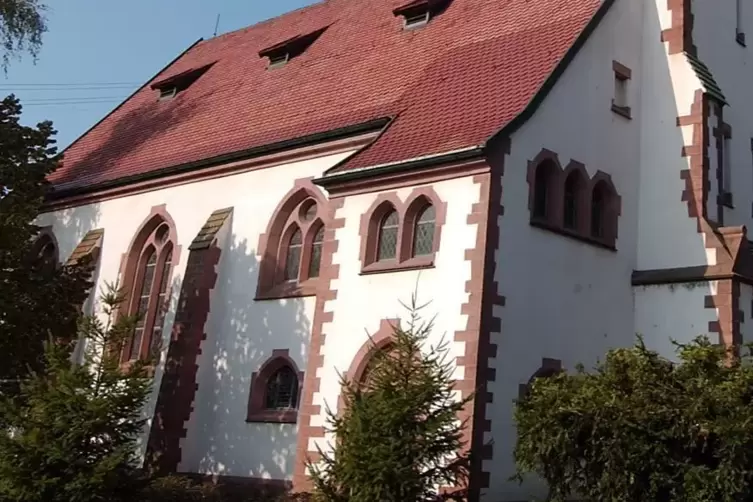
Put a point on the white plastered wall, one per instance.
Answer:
(566, 299)
(364, 300)
(746, 310)
(667, 236)
(241, 332)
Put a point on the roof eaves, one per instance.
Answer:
(310, 139)
(558, 71)
(416, 163)
(168, 65)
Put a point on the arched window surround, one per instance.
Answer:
(256, 410)
(554, 220)
(379, 340)
(273, 244)
(408, 211)
(130, 277)
(549, 368)
(46, 237)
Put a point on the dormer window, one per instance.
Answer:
(170, 87)
(280, 53)
(416, 20)
(168, 92)
(418, 13)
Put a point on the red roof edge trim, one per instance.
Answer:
(416, 6)
(183, 79)
(96, 124)
(293, 46)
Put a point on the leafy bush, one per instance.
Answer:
(640, 427)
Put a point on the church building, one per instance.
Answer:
(551, 176)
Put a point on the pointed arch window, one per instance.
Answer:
(45, 251)
(572, 203)
(282, 390)
(598, 210)
(149, 272)
(275, 390)
(543, 190)
(292, 248)
(423, 233)
(388, 229)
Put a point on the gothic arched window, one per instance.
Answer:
(149, 271)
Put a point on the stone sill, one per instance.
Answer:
(273, 416)
(381, 267)
(289, 290)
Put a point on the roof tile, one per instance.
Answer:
(449, 85)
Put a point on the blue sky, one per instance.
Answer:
(91, 43)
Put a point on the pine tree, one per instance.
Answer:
(36, 301)
(398, 438)
(74, 430)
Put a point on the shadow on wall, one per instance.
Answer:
(241, 335)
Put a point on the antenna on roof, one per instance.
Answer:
(216, 25)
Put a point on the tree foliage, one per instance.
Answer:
(398, 436)
(74, 427)
(37, 301)
(640, 427)
(22, 25)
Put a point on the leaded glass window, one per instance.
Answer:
(149, 263)
(282, 390)
(423, 233)
(293, 256)
(387, 243)
(161, 304)
(316, 253)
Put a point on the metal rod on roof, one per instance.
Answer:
(216, 25)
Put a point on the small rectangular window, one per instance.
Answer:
(277, 60)
(168, 92)
(739, 28)
(620, 101)
(416, 20)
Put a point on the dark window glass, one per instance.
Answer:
(388, 237)
(423, 234)
(541, 191)
(150, 265)
(572, 189)
(598, 203)
(282, 390)
(293, 256)
(316, 253)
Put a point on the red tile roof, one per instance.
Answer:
(449, 85)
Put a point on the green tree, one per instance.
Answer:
(22, 24)
(73, 433)
(37, 301)
(398, 436)
(640, 427)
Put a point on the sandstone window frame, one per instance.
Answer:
(46, 248)
(409, 212)
(257, 410)
(553, 218)
(156, 236)
(294, 212)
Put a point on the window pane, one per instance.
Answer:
(597, 212)
(316, 253)
(423, 235)
(571, 210)
(150, 264)
(541, 192)
(293, 256)
(282, 390)
(388, 237)
(161, 307)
